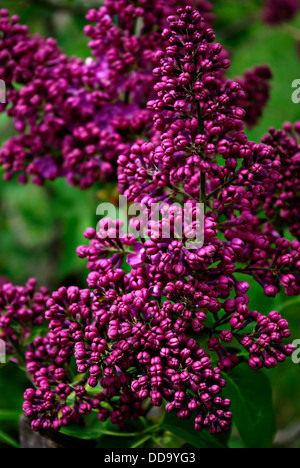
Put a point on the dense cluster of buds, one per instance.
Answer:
(199, 119)
(135, 332)
(131, 338)
(73, 118)
(129, 347)
(282, 204)
(21, 309)
(199, 287)
(278, 11)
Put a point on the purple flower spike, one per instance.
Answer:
(130, 332)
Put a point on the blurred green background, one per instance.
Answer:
(40, 228)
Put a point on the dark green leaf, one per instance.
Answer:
(91, 433)
(113, 442)
(7, 440)
(185, 430)
(10, 416)
(251, 404)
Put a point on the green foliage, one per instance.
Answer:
(40, 230)
(184, 430)
(259, 44)
(251, 404)
(13, 383)
(7, 440)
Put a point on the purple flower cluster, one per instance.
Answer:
(198, 117)
(128, 347)
(134, 333)
(191, 93)
(256, 86)
(125, 53)
(21, 308)
(130, 335)
(201, 288)
(278, 11)
(67, 118)
(282, 204)
(72, 117)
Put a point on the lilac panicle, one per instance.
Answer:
(133, 346)
(198, 118)
(130, 333)
(74, 117)
(282, 204)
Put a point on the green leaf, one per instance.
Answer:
(6, 439)
(92, 433)
(113, 442)
(289, 304)
(8, 415)
(251, 404)
(185, 430)
(140, 441)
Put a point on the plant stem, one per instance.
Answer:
(228, 182)
(200, 118)
(203, 187)
(246, 270)
(19, 354)
(141, 441)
